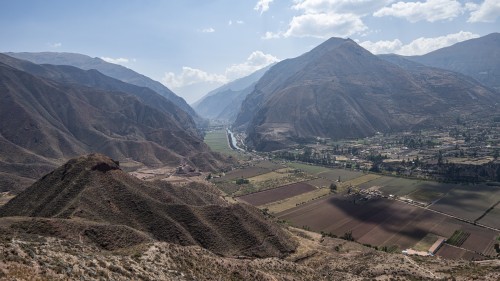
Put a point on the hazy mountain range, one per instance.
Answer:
(478, 58)
(224, 103)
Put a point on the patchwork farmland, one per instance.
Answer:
(277, 194)
(382, 222)
(380, 211)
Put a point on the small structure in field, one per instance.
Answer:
(435, 247)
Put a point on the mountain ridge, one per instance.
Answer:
(478, 58)
(340, 90)
(94, 188)
(112, 70)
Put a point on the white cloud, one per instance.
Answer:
(430, 10)
(327, 18)
(208, 30)
(418, 46)
(358, 7)
(55, 45)
(488, 11)
(382, 47)
(231, 22)
(254, 62)
(191, 76)
(117, 60)
(325, 25)
(271, 35)
(262, 6)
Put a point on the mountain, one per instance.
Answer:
(94, 189)
(109, 69)
(224, 102)
(46, 122)
(94, 79)
(478, 58)
(340, 90)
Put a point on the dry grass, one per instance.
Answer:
(425, 243)
(286, 204)
(268, 176)
(359, 180)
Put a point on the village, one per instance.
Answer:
(463, 152)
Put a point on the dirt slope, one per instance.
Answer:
(93, 188)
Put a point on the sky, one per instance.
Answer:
(194, 46)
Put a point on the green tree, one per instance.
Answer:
(348, 236)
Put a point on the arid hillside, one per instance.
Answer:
(94, 189)
(109, 69)
(47, 122)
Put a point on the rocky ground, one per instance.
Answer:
(317, 258)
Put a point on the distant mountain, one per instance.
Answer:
(224, 102)
(478, 58)
(109, 69)
(90, 197)
(340, 90)
(45, 122)
(94, 79)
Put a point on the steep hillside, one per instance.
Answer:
(112, 70)
(478, 58)
(340, 90)
(94, 188)
(46, 122)
(224, 102)
(94, 79)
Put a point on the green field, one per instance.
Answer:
(470, 202)
(307, 168)
(217, 141)
(343, 175)
(418, 190)
(392, 185)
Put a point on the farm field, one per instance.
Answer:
(360, 180)
(277, 194)
(450, 252)
(267, 176)
(308, 168)
(383, 222)
(492, 218)
(345, 175)
(269, 165)
(292, 202)
(469, 201)
(245, 173)
(393, 185)
(320, 183)
(217, 141)
(418, 190)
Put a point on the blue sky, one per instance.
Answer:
(193, 46)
